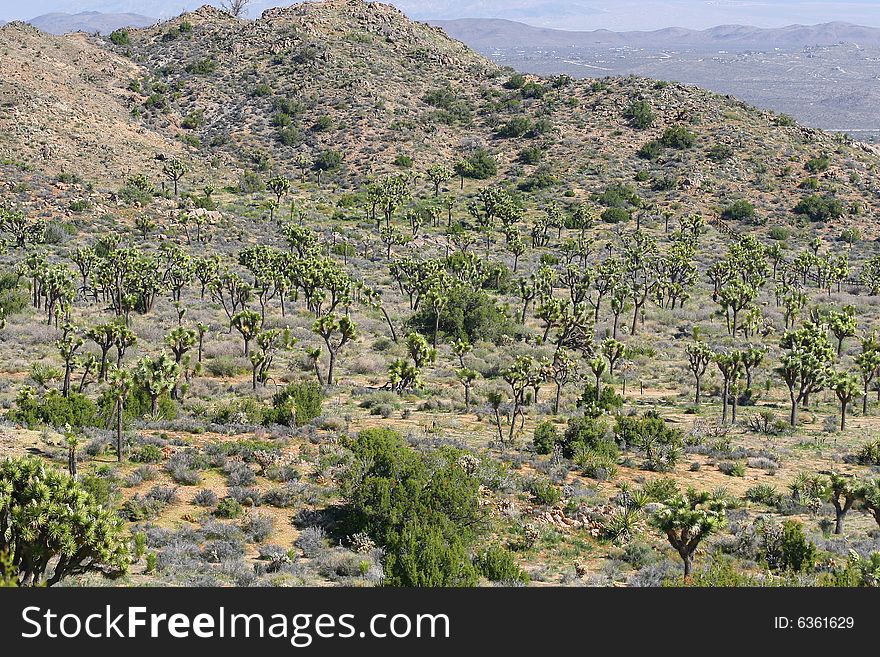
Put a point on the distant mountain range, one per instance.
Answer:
(486, 35)
(89, 21)
(489, 34)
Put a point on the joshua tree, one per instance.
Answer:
(845, 386)
(686, 520)
(439, 174)
(53, 527)
(120, 382)
(278, 185)
(699, 356)
(729, 364)
(467, 377)
(247, 323)
(180, 341)
(68, 345)
(869, 363)
(156, 376)
(175, 170)
(805, 365)
(336, 333)
(843, 493)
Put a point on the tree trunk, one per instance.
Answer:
(726, 395)
(697, 396)
(119, 410)
(330, 367)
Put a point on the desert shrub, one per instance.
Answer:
(205, 497)
(481, 165)
(245, 496)
(778, 233)
(650, 150)
(719, 152)
(257, 527)
(797, 553)
(518, 126)
(245, 411)
(616, 215)
(53, 409)
(296, 405)
(869, 453)
(608, 401)
(600, 462)
(120, 37)
(820, 208)
(740, 210)
(422, 509)
(469, 315)
(586, 433)
(498, 565)
(228, 508)
(818, 164)
(640, 115)
(530, 155)
(546, 437)
(764, 494)
(661, 489)
(240, 474)
(148, 453)
(202, 67)
(226, 366)
(732, 468)
(312, 541)
(649, 434)
(543, 491)
(678, 137)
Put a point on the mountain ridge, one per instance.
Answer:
(487, 34)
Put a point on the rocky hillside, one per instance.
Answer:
(362, 80)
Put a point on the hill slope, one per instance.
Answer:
(64, 106)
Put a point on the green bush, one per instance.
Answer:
(586, 433)
(640, 115)
(818, 164)
(546, 437)
(779, 233)
(660, 443)
(740, 210)
(54, 410)
(820, 208)
(598, 462)
(481, 165)
(543, 491)
(678, 137)
(148, 453)
(798, 553)
(616, 215)
(469, 315)
(120, 37)
(498, 565)
(422, 509)
(246, 411)
(296, 405)
(228, 508)
(651, 150)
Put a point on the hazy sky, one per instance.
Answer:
(573, 14)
